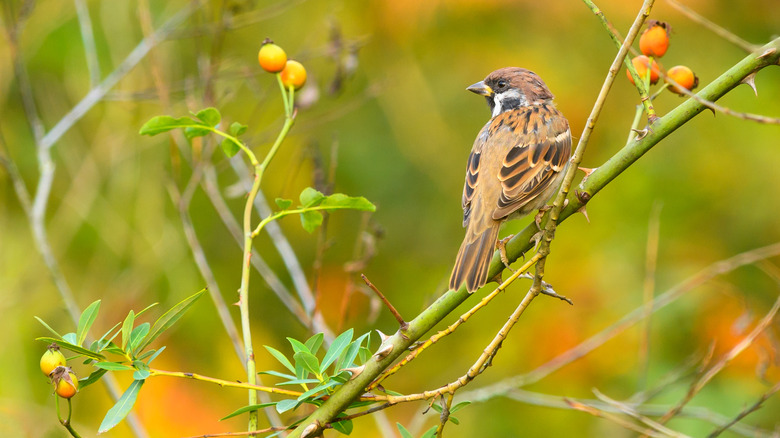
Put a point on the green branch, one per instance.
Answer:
(400, 341)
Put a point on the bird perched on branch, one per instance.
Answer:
(516, 165)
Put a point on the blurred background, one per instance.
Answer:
(384, 115)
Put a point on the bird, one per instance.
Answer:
(516, 165)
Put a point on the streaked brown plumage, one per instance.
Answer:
(516, 165)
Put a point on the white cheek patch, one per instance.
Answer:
(513, 96)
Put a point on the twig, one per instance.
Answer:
(745, 412)
(88, 40)
(724, 360)
(445, 414)
(242, 433)
(631, 412)
(705, 275)
(611, 417)
(716, 29)
(389, 305)
(648, 290)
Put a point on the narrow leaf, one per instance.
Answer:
(344, 427)
(404, 433)
(141, 374)
(308, 361)
(459, 406)
(70, 338)
(283, 204)
(314, 343)
(154, 356)
(339, 344)
(278, 374)
(113, 366)
(311, 220)
(137, 337)
(209, 116)
(127, 328)
(86, 320)
(169, 318)
(59, 336)
(237, 129)
(310, 197)
(298, 382)
(430, 433)
(298, 345)
(160, 124)
(122, 407)
(280, 357)
(285, 405)
(316, 390)
(247, 409)
(71, 347)
(92, 378)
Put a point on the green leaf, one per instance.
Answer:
(344, 427)
(308, 361)
(194, 131)
(316, 390)
(341, 200)
(314, 343)
(85, 321)
(113, 366)
(122, 407)
(364, 354)
(70, 338)
(154, 356)
(59, 336)
(160, 124)
(127, 328)
(280, 357)
(137, 336)
(430, 433)
(237, 129)
(454, 420)
(339, 344)
(298, 345)
(283, 204)
(169, 318)
(285, 405)
(298, 382)
(278, 374)
(404, 433)
(71, 347)
(92, 378)
(347, 358)
(459, 406)
(102, 342)
(209, 116)
(310, 197)
(230, 147)
(247, 409)
(311, 220)
(145, 309)
(141, 374)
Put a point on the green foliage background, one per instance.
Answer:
(403, 123)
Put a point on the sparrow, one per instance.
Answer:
(516, 165)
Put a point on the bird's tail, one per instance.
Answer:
(474, 258)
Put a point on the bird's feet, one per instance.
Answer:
(501, 246)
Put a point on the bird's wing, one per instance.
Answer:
(542, 146)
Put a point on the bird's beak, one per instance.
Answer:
(481, 88)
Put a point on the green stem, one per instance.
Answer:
(243, 300)
(284, 213)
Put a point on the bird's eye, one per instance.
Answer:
(502, 84)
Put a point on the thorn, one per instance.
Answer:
(750, 80)
(384, 299)
(584, 212)
(354, 371)
(641, 133)
(713, 111)
(382, 336)
(498, 278)
(311, 430)
(587, 172)
(383, 352)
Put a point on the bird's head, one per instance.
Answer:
(511, 88)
